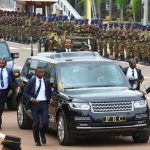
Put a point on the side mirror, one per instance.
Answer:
(16, 74)
(14, 55)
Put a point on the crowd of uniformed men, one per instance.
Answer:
(118, 39)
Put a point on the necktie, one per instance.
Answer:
(132, 72)
(2, 82)
(37, 92)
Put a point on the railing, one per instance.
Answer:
(67, 9)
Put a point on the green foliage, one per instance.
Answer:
(81, 3)
(99, 2)
(121, 3)
(136, 5)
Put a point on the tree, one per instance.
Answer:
(112, 9)
(136, 9)
(101, 7)
(121, 4)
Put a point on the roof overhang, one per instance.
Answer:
(35, 1)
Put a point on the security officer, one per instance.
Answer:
(7, 81)
(38, 93)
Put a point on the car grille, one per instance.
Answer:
(112, 106)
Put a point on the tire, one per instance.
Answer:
(24, 122)
(143, 138)
(63, 134)
(11, 102)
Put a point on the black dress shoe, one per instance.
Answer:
(43, 139)
(38, 144)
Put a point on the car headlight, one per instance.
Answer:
(80, 106)
(140, 104)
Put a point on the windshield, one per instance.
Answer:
(4, 52)
(90, 74)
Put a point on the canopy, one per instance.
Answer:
(47, 1)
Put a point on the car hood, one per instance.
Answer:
(97, 94)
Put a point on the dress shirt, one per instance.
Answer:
(130, 75)
(5, 78)
(41, 96)
(68, 49)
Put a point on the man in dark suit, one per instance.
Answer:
(67, 46)
(133, 74)
(7, 82)
(38, 92)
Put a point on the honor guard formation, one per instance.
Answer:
(119, 40)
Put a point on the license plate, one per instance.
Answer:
(114, 119)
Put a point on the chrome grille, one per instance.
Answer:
(112, 106)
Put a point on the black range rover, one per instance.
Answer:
(91, 96)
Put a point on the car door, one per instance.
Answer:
(51, 74)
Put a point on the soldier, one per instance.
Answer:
(27, 29)
(55, 40)
(105, 40)
(130, 14)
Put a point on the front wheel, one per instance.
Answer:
(24, 122)
(143, 138)
(64, 136)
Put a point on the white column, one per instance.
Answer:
(145, 12)
(46, 10)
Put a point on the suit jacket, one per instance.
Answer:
(64, 50)
(12, 82)
(29, 91)
(139, 74)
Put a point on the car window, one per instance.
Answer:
(53, 75)
(26, 67)
(85, 74)
(4, 52)
(50, 72)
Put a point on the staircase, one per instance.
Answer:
(67, 9)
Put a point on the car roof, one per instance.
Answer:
(72, 55)
(2, 41)
(54, 57)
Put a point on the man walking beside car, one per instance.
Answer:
(38, 92)
(7, 82)
(133, 74)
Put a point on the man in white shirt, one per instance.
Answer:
(38, 93)
(133, 74)
(7, 82)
